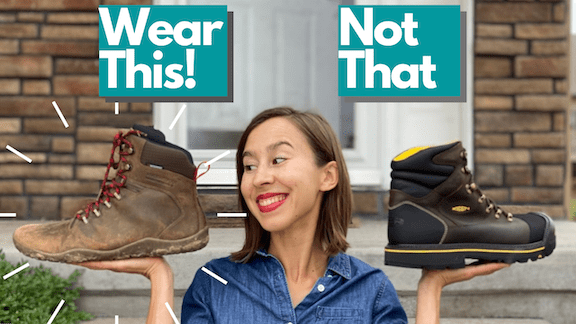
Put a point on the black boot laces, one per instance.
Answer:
(110, 189)
(471, 187)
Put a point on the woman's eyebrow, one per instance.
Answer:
(276, 145)
(270, 147)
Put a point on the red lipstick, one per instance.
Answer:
(272, 206)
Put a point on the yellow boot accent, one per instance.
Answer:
(408, 153)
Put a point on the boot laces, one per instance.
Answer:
(471, 187)
(109, 189)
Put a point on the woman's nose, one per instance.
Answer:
(263, 176)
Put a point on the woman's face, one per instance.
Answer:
(282, 185)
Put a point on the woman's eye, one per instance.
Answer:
(278, 160)
(249, 167)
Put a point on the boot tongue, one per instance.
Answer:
(152, 133)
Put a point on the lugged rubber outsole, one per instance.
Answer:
(453, 256)
(147, 247)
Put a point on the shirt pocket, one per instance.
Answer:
(338, 315)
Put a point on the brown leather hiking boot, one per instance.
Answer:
(150, 208)
(439, 217)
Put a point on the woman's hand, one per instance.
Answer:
(432, 282)
(161, 279)
(144, 266)
(445, 277)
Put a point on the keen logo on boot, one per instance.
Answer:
(143, 211)
(438, 216)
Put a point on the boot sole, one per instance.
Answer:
(147, 247)
(452, 256)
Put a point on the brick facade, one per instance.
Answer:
(520, 105)
(49, 51)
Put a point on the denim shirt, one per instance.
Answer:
(350, 291)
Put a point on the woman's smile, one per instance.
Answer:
(270, 201)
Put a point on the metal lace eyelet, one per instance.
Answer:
(510, 217)
(481, 198)
(498, 213)
(84, 219)
(468, 189)
(107, 203)
(96, 212)
(117, 196)
(489, 208)
(463, 170)
(127, 167)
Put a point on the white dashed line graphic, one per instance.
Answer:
(215, 276)
(60, 114)
(16, 271)
(231, 215)
(218, 158)
(177, 117)
(56, 312)
(172, 313)
(15, 151)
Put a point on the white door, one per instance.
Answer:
(285, 53)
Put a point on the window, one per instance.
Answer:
(285, 54)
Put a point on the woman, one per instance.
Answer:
(295, 188)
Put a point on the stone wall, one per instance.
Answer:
(520, 105)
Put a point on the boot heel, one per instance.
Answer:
(409, 224)
(408, 258)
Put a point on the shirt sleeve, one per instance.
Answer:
(387, 307)
(196, 304)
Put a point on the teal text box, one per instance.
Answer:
(438, 40)
(167, 41)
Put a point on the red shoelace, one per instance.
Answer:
(112, 189)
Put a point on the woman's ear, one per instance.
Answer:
(329, 176)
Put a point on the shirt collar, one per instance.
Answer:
(339, 264)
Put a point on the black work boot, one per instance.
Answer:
(438, 216)
(149, 208)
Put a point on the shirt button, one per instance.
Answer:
(321, 288)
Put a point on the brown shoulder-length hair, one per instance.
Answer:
(336, 206)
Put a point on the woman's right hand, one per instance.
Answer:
(161, 278)
(144, 266)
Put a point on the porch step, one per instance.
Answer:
(545, 289)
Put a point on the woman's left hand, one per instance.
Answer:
(446, 277)
(432, 282)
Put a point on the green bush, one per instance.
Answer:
(32, 295)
